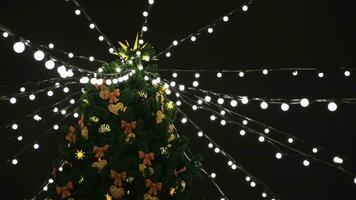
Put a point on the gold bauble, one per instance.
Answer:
(100, 164)
(117, 193)
(183, 185)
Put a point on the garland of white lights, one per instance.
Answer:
(208, 28)
(145, 14)
(93, 25)
(242, 71)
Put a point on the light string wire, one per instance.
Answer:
(52, 48)
(293, 149)
(108, 42)
(273, 100)
(37, 138)
(146, 14)
(204, 28)
(37, 83)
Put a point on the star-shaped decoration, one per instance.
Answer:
(81, 180)
(170, 105)
(80, 155)
(108, 197)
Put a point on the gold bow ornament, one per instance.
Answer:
(160, 116)
(117, 192)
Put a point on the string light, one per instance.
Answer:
(39, 55)
(184, 120)
(265, 72)
(295, 73)
(151, 2)
(19, 138)
(5, 34)
(278, 156)
(213, 175)
(55, 127)
(91, 59)
(70, 55)
(207, 98)
(14, 161)
(306, 163)
(223, 122)
(22, 89)
(210, 30)
(264, 105)
(233, 103)
(285, 107)
(14, 126)
(13, 100)
(261, 139)
(332, 106)
(253, 184)
(32, 97)
(241, 74)
(320, 74)
(225, 18)
(242, 132)
(200, 134)
(347, 73)
(212, 118)
(244, 8)
(244, 100)
(219, 75)
(266, 130)
(195, 83)
(50, 64)
(193, 38)
(315, 150)
(19, 47)
(338, 160)
(304, 102)
(210, 145)
(220, 101)
(51, 45)
(77, 12)
(36, 146)
(290, 140)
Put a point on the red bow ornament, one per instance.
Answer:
(153, 187)
(147, 158)
(128, 126)
(71, 137)
(100, 151)
(112, 96)
(64, 191)
(118, 177)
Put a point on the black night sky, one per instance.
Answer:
(272, 34)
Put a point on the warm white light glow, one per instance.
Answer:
(32, 97)
(320, 74)
(196, 75)
(14, 126)
(194, 107)
(295, 73)
(233, 103)
(253, 184)
(101, 38)
(212, 117)
(22, 89)
(19, 138)
(285, 107)
(70, 55)
(216, 150)
(195, 83)
(175, 42)
(315, 150)
(55, 127)
(193, 38)
(151, 2)
(332, 106)
(174, 75)
(261, 139)
(19, 47)
(266, 130)
(77, 12)
(245, 122)
(210, 145)
(50, 93)
(14, 161)
(338, 160)
(233, 166)
(184, 120)
(181, 87)
(66, 90)
(5, 34)
(306, 163)
(223, 122)
(13, 100)
(265, 72)
(219, 75)
(200, 134)
(210, 30)
(50, 64)
(36, 146)
(278, 155)
(241, 74)
(91, 26)
(264, 105)
(145, 13)
(51, 45)
(248, 179)
(225, 18)
(244, 100)
(244, 8)
(264, 195)
(178, 103)
(213, 175)
(242, 132)
(304, 102)
(290, 140)
(347, 73)
(220, 101)
(91, 58)
(207, 98)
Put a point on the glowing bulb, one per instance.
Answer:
(229, 163)
(22, 89)
(295, 73)
(347, 73)
(193, 38)
(70, 55)
(355, 180)
(172, 84)
(50, 64)
(285, 107)
(332, 106)
(174, 75)
(315, 150)
(321, 74)
(210, 145)
(55, 109)
(338, 160)
(175, 42)
(233, 166)
(220, 101)
(36, 146)
(72, 101)
(261, 139)
(242, 132)
(264, 195)
(39, 55)
(265, 71)
(194, 107)
(200, 101)
(266, 130)
(181, 87)
(244, 100)
(213, 175)
(19, 138)
(61, 69)
(207, 98)
(14, 161)
(55, 127)
(244, 8)
(306, 163)
(84, 80)
(50, 180)
(151, 2)
(19, 47)
(244, 122)
(195, 83)
(210, 30)
(141, 41)
(304, 102)
(290, 140)
(216, 150)
(145, 13)
(264, 105)
(212, 117)
(14, 126)
(225, 18)
(233, 103)
(77, 12)
(253, 184)
(223, 122)
(66, 90)
(45, 188)
(5, 34)
(91, 26)
(60, 169)
(278, 155)
(101, 38)
(32, 97)
(196, 75)
(75, 115)
(63, 112)
(50, 93)
(51, 45)
(219, 75)
(248, 179)
(200, 134)
(241, 74)
(184, 120)
(91, 58)
(111, 50)
(13, 100)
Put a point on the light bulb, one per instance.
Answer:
(265, 71)
(13, 100)
(264, 195)
(244, 8)
(184, 120)
(145, 13)
(36, 146)
(200, 101)
(278, 155)
(332, 106)
(175, 42)
(77, 12)
(195, 83)
(181, 87)
(32, 97)
(210, 30)
(151, 2)
(213, 175)
(101, 38)
(174, 75)
(216, 150)
(320, 74)
(242, 132)
(200, 134)
(91, 58)
(19, 47)
(72, 101)
(225, 18)
(223, 122)
(233, 166)
(212, 117)
(61, 69)
(63, 112)
(5, 34)
(111, 50)
(244, 122)
(347, 73)
(14, 161)
(172, 84)
(220, 101)
(241, 74)
(266, 130)
(210, 145)
(295, 73)
(39, 55)
(194, 107)
(306, 163)
(55, 127)
(315, 150)
(244, 100)
(338, 160)
(50, 93)
(141, 41)
(193, 38)
(207, 98)
(285, 107)
(222, 112)
(229, 163)
(290, 140)
(84, 80)
(304, 102)
(51, 45)
(14, 126)
(261, 139)
(55, 109)
(233, 103)
(66, 90)
(45, 188)
(264, 105)
(19, 138)
(50, 180)
(248, 179)
(91, 26)
(50, 64)
(219, 75)
(70, 55)
(22, 89)
(253, 184)
(75, 115)
(60, 169)
(196, 75)
(355, 180)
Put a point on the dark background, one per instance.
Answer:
(278, 33)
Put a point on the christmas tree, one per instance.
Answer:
(125, 145)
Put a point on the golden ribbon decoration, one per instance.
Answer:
(159, 117)
(81, 122)
(184, 169)
(153, 187)
(112, 96)
(100, 151)
(118, 177)
(71, 137)
(64, 191)
(147, 158)
(128, 126)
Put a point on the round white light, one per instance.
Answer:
(295, 73)
(278, 155)
(265, 71)
(14, 161)
(72, 101)
(355, 180)
(50, 180)
(55, 109)
(285, 107)
(244, 8)
(200, 134)
(233, 166)
(261, 139)
(145, 13)
(200, 101)
(321, 74)
(175, 42)
(244, 100)
(36, 146)
(332, 106)
(50, 64)
(219, 75)
(195, 83)
(45, 188)
(19, 138)
(244, 122)
(39, 55)
(14, 126)
(290, 140)
(304, 102)
(50, 93)
(51, 45)
(19, 47)
(63, 112)
(32, 97)
(264, 195)
(151, 2)
(70, 55)
(242, 132)
(315, 150)
(338, 160)
(184, 120)
(91, 58)
(220, 101)
(66, 90)
(225, 18)
(207, 98)
(229, 163)
(22, 89)
(181, 87)
(172, 84)
(194, 107)
(196, 75)
(77, 12)
(248, 179)
(233, 103)
(55, 127)
(253, 184)
(210, 30)
(241, 74)
(213, 175)
(75, 115)
(111, 50)
(101, 38)
(91, 26)
(216, 150)
(193, 38)
(84, 80)
(174, 75)
(264, 105)
(60, 169)
(5, 34)
(266, 130)
(212, 117)
(223, 122)
(347, 73)
(210, 145)
(306, 163)
(13, 100)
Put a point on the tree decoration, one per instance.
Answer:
(117, 192)
(108, 197)
(100, 151)
(118, 177)
(81, 180)
(147, 158)
(71, 136)
(154, 188)
(112, 96)
(101, 164)
(94, 119)
(64, 192)
(159, 117)
(80, 154)
(85, 132)
(104, 128)
(142, 94)
(170, 105)
(115, 108)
